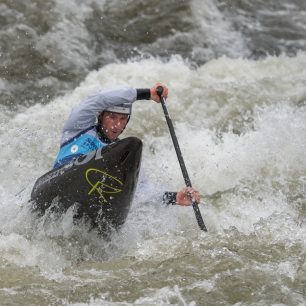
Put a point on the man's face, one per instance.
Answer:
(113, 124)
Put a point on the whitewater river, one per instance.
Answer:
(236, 71)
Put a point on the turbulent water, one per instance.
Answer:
(237, 80)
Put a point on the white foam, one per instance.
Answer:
(251, 169)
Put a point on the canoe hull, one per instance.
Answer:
(100, 185)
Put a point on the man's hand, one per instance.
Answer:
(187, 195)
(154, 95)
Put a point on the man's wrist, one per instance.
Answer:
(143, 94)
(169, 198)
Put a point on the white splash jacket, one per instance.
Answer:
(80, 132)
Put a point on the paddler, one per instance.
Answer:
(100, 119)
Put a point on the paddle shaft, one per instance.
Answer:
(180, 157)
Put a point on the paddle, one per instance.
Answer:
(195, 206)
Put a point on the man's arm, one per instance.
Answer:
(84, 115)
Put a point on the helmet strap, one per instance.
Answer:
(100, 131)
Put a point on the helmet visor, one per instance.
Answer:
(125, 108)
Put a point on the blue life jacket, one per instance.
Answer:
(81, 144)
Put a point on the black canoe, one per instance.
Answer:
(100, 185)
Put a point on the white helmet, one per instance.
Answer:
(125, 108)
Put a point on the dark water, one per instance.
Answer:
(48, 47)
